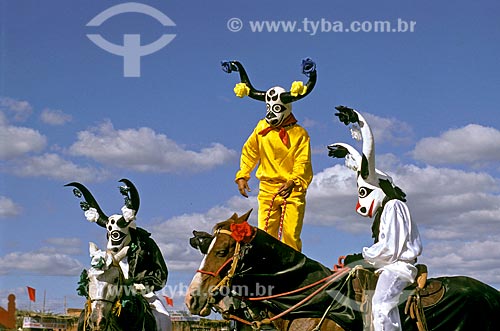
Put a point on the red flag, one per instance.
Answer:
(31, 293)
(169, 301)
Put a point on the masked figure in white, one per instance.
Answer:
(144, 266)
(397, 240)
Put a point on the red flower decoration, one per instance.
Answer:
(242, 231)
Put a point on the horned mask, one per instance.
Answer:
(278, 100)
(373, 185)
(118, 226)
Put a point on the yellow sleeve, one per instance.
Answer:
(249, 157)
(302, 169)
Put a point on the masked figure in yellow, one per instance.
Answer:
(281, 150)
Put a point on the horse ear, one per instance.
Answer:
(92, 248)
(244, 218)
(241, 230)
(121, 254)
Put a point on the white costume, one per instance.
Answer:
(394, 256)
(397, 240)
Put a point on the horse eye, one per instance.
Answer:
(221, 253)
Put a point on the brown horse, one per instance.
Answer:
(278, 269)
(272, 283)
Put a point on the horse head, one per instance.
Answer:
(105, 287)
(222, 252)
(242, 261)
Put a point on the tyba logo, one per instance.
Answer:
(131, 50)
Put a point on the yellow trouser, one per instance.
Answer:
(293, 218)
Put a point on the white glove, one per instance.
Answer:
(139, 288)
(92, 215)
(128, 214)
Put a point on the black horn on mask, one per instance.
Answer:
(230, 66)
(89, 202)
(308, 69)
(131, 195)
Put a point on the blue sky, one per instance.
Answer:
(67, 113)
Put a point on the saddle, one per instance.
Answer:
(424, 294)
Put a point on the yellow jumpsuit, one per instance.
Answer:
(278, 164)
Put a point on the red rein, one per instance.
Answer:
(215, 274)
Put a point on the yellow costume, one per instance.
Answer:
(282, 150)
(279, 163)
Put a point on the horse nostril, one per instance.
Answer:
(191, 302)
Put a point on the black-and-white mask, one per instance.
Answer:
(277, 110)
(118, 226)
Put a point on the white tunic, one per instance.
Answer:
(398, 243)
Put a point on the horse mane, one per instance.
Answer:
(267, 257)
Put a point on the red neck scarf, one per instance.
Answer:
(290, 120)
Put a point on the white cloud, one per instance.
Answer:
(146, 151)
(173, 236)
(473, 145)
(451, 203)
(389, 129)
(54, 117)
(331, 199)
(53, 166)
(8, 208)
(385, 130)
(443, 181)
(17, 140)
(70, 246)
(477, 259)
(20, 110)
(48, 264)
(64, 241)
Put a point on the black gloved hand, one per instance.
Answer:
(346, 115)
(337, 151)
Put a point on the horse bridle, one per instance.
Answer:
(227, 279)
